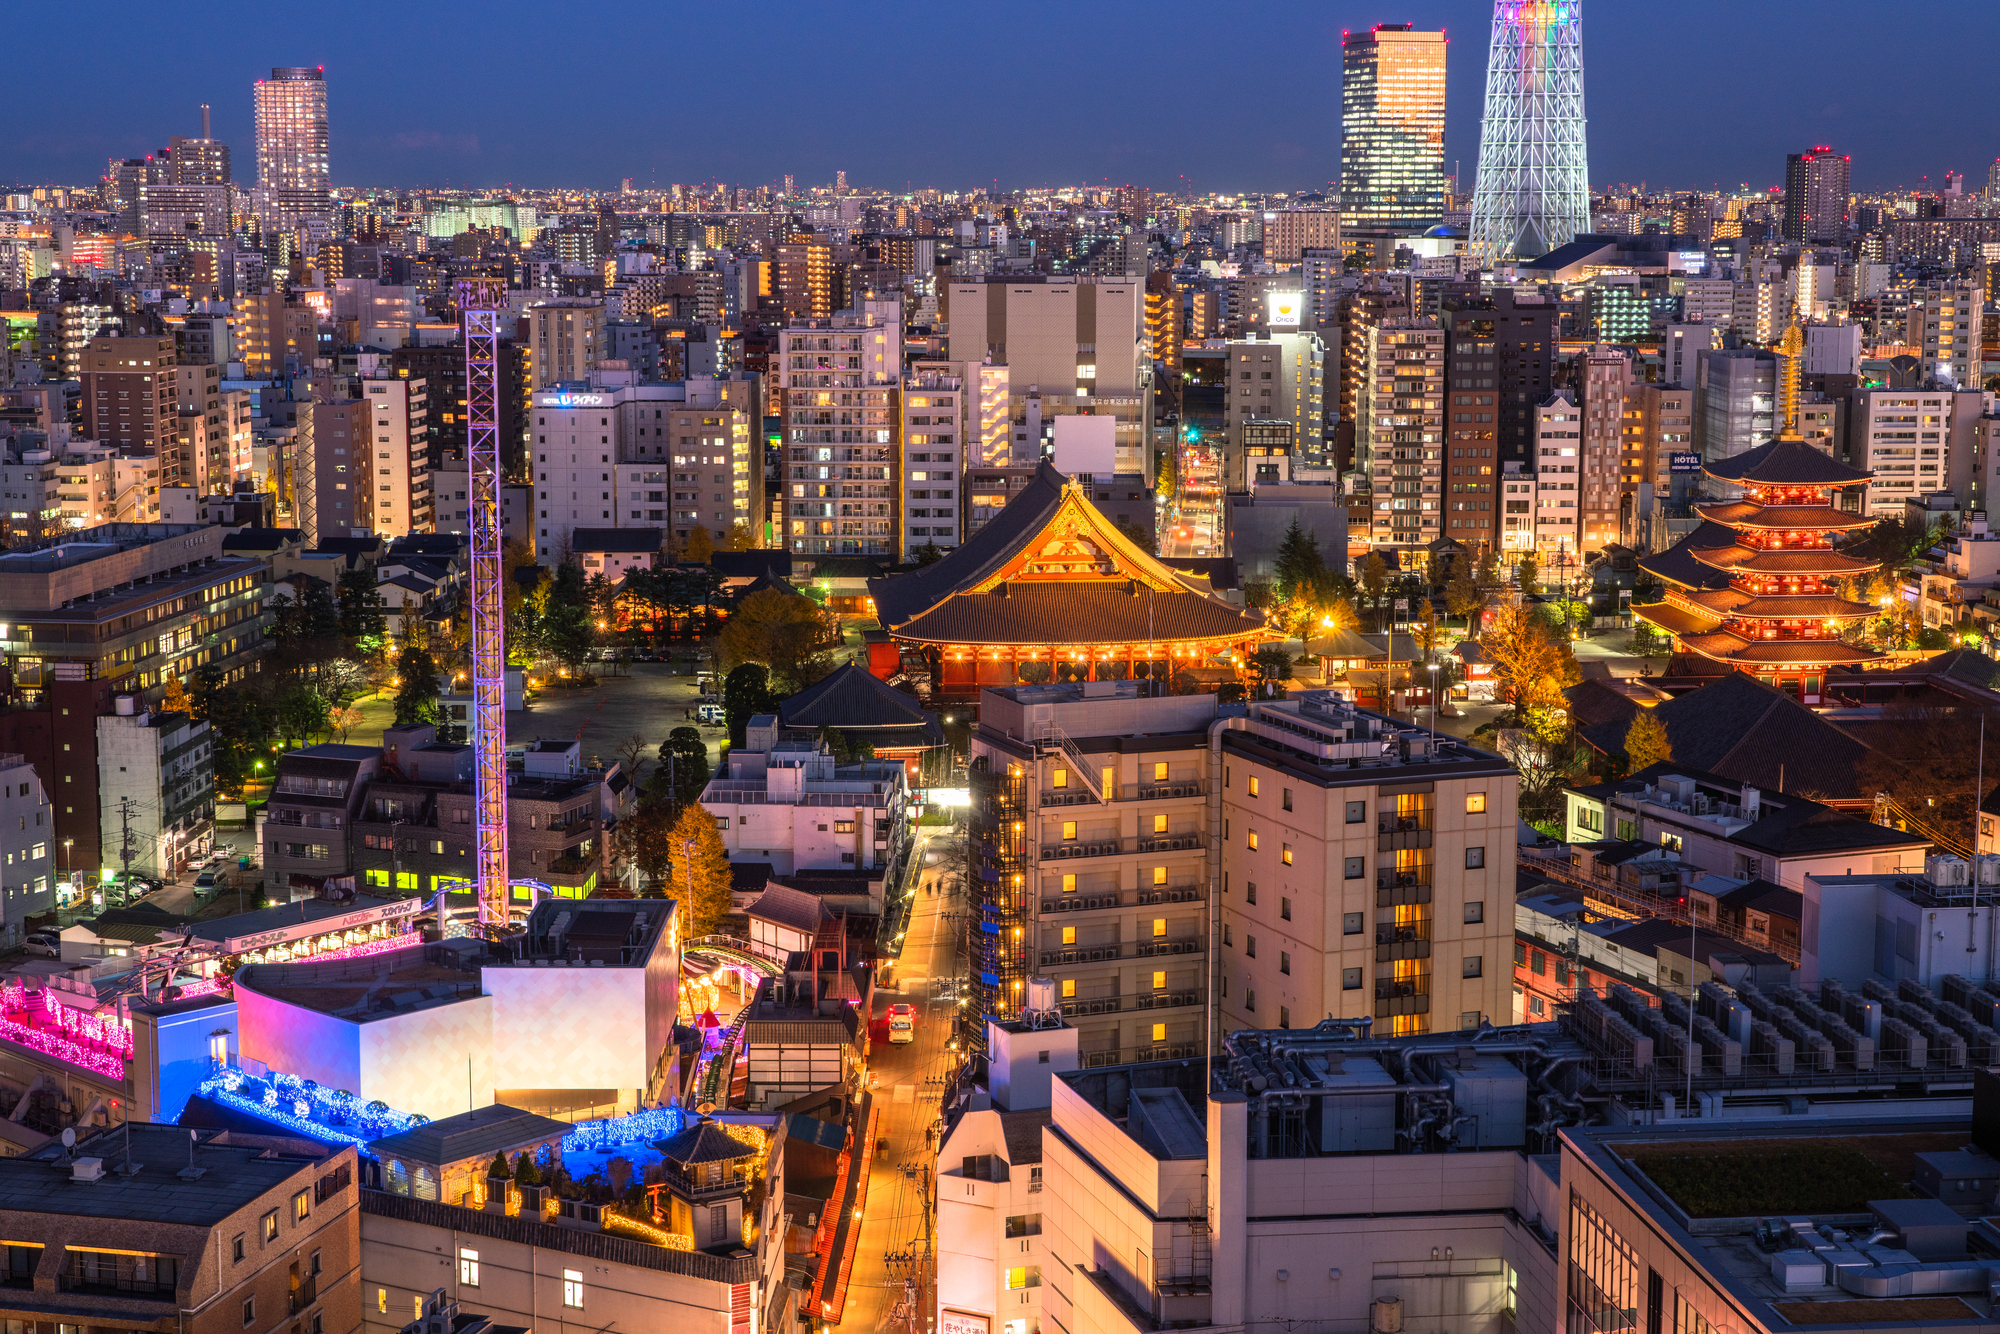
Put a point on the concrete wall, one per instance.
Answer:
(438, 1060)
(170, 1056)
(306, 1043)
(564, 1028)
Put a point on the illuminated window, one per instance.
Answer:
(1475, 803)
(1159, 824)
(1069, 831)
(1253, 840)
(1159, 875)
(1069, 884)
(468, 1267)
(1160, 771)
(1159, 1032)
(1255, 785)
(1069, 987)
(1159, 979)
(1069, 935)
(1159, 928)
(1286, 855)
(1059, 779)
(573, 1289)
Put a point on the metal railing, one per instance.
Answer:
(1186, 945)
(1084, 901)
(1192, 787)
(1111, 845)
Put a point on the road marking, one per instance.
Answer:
(904, 1093)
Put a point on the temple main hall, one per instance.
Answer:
(1050, 590)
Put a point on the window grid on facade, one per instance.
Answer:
(1603, 1275)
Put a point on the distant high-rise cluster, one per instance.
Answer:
(1533, 192)
(292, 175)
(1392, 128)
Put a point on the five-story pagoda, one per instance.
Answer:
(1757, 585)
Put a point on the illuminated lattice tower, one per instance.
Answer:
(480, 301)
(1533, 192)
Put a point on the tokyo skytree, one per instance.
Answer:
(1533, 192)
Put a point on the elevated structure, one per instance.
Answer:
(1756, 586)
(1533, 193)
(1051, 590)
(480, 301)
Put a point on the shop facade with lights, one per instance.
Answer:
(1756, 587)
(1050, 590)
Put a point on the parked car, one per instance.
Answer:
(711, 715)
(206, 880)
(45, 944)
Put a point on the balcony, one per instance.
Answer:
(304, 1295)
(1402, 831)
(1405, 996)
(1089, 954)
(1402, 942)
(1113, 846)
(1166, 1000)
(1091, 1005)
(1122, 898)
(1395, 888)
(1185, 945)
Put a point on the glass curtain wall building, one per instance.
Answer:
(1392, 129)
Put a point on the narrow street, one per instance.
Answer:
(889, 1279)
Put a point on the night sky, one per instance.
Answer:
(1162, 93)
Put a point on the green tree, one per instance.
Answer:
(683, 771)
(1146, 538)
(746, 692)
(364, 621)
(418, 685)
(1298, 561)
(307, 624)
(568, 619)
(1646, 741)
(1489, 567)
(1526, 573)
(526, 1171)
(1461, 595)
(787, 633)
(928, 554)
(1272, 668)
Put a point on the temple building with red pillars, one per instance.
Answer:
(1756, 586)
(1050, 590)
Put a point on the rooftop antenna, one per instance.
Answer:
(190, 1172)
(128, 1167)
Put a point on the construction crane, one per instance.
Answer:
(480, 301)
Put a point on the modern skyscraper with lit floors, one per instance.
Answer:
(1533, 192)
(292, 175)
(1392, 128)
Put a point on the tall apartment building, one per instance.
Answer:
(131, 393)
(1735, 401)
(1681, 347)
(273, 329)
(1401, 436)
(71, 485)
(840, 379)
(664, 455)
(568, 341)
(1816, 198)
(1659, 423)
(1163, 321)
(1524, 344)
(1517, 508)
(292, 171)
(332, 495)
(1392, 99)
(398, 467)
(806, 280)
(210, 449)
(1277, 378)
(1710, 301)
(1906, 439)
(1559, 456)
(940, 413)
(1290, 232)
(1471, 509)
(1760, 310)
(1603, 375)
(1419, 932)
(1945, 323)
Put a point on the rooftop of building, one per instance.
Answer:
(1319, 736)
(231, 1176)
(372, 987)
(279, 916)
(1807, 1225)
(479, 1133)
(593, 933)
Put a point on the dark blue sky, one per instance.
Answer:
(1684, 94)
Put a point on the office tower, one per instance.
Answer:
(1290, 232)
(1533, 192)
(940, 405)
(1679, 348)
(840, 379)
(1603, 373)
(840, 182)
(1904, 438)
(1401, 429)
(805, 280)
(292, 173)
(1392, 128)
(1816, 196)
(125, 182)
(568, 338)
(1659, 423)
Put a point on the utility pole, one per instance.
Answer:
(125, 852)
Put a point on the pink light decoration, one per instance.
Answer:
(401, 941)
(203, 986)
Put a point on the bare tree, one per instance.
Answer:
(633, 750)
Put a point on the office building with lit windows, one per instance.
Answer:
(292, 172)
(1392, 98)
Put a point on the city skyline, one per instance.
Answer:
(1742, 111)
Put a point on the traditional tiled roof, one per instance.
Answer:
(1808, 560)
(1677, 564)
(1786, 461)
(852, 697)
(1801, 518)
(1749, 606)
(1051, 569)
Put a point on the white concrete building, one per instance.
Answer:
(1558, 461)
(1063, 335)
(156, 788)
(1903, 437)
(938, 415)
(1944, 323)
(840, 378)
(791, 804)
(1833, 349)
(32, 859)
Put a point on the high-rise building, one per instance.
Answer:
(1290, 232)
(203, 161)
(1392, 128)
(1533, 192)
(1945, 322)
(1604, 374)
(1401, 435)
(130, 393)
(292, 172)
(1559, 447)
(1470, 371)
(1816, 206)
(397, 468)
(840, 379)
(1277, 378)
(1735, 401)
(568, 340)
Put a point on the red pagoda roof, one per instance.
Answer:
(1797, 518)
(1785, 461)
(1780, 560)
(1751, 606)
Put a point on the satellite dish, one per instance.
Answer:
(69, 1137)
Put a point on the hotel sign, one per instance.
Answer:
(323, 926)
(1684, 463)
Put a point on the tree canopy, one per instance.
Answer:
(1531, 664)
(789, 634)
(1646, 741)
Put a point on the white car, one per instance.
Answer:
(711, 715)
(45, 944)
